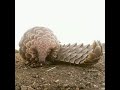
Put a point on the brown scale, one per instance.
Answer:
(80, 54)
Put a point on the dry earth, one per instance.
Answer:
(59, 76)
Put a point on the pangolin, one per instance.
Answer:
(39, 45)
(36, 44)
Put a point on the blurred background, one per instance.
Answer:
(81, 21)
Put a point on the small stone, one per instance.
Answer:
(82, 86)
(88, 82)
(42, 78)
(30, 88)
(65, 85)
(17, 87)
(103, 84)
(83, 72)
(77, 88)
(37, 76)
(66, 80)
(24, 87)
(56, 81)
(35, 85)
(46, 84)
(68, 88)
(95, 86)
(24, 68)
(69, 73)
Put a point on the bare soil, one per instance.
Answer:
(59, 76)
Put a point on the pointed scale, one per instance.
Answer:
(80, 54)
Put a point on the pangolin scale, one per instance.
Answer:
(80, 54)
(36, 44)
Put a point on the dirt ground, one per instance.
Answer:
(59, 76)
